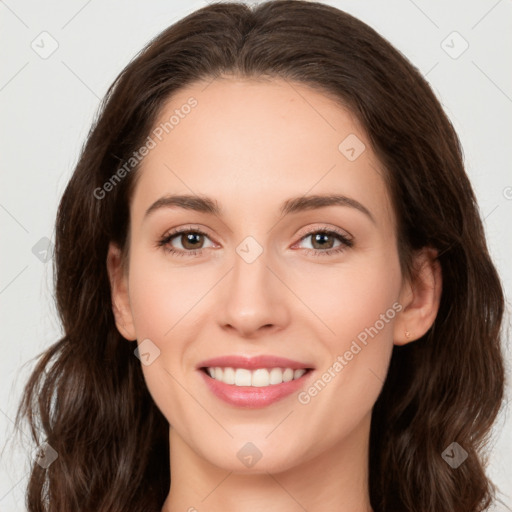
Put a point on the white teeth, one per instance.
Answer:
(258, 378)
(297, 374)
(242, 377)
(288, 375)
(228, 376)
(276, 376)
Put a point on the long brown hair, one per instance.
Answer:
(87, 393)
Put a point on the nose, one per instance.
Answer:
(255, 298)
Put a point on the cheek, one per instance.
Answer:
(358, 305)
(352, 297)
(162, 299)
(152, 308)
(162, 305)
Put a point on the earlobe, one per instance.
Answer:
(119, 293)
(420, 298)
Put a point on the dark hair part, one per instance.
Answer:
(87, 392)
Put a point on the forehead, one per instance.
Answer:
(256, 142)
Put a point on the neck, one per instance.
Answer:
(336, 480)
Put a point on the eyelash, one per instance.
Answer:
(345, 242)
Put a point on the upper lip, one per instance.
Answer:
(253, 362)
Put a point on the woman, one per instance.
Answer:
(274, 283)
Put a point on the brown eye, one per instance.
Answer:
(322, 241)
(191, 240)
(185, 242)
(326, 242)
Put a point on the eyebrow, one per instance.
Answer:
(208, 205)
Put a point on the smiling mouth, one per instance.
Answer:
(259, 377)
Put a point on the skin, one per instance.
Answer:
(250, 145)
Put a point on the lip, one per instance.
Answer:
(252, 397)
(253, 362)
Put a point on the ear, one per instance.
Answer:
(420, 298)
(119, 293)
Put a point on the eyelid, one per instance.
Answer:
(310, 230)
(307, 231)
(172, 233)
(196, 228)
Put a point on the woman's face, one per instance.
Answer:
(264, 280)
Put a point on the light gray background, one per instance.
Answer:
(48, 105)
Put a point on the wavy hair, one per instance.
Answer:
(87, 394)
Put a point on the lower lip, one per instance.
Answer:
(253, 397)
